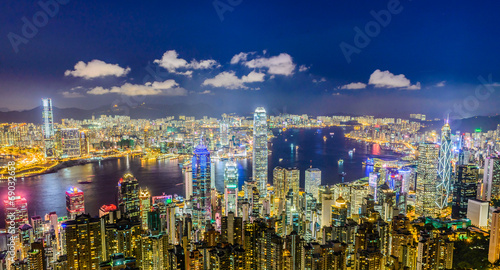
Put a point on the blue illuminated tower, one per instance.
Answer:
(444, 168)
(201, 185)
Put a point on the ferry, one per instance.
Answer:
(88, 181)
(341, 162)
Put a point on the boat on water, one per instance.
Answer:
(332, 133)
(351, 153)
(341, 162)
(280, 160)
(88, 181)
(342, 174)
(324, 138)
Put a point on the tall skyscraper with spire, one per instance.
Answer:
(202, 182)
(259, 161)
(444, 168)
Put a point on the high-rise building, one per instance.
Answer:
(494, 250)
(83, 242)
(224, 132)
(145, 206)
(70, 143)
(444, 168)
(464, 188)
(48, 118)
(313, 181)
(280, 187)
(490, 188)
(124, 236)
(48, 128)
(128, 196)
(16, 212)
(426, 180)
(202, 182)
(260, 157)
(75, 203)
(231, 188)
(292, 177)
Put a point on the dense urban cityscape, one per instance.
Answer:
(411, 212)
(249, 135)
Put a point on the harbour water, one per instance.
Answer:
(302, 148)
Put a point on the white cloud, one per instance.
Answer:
(229, 80)
(68, 94)
(319, 81)
(495, 84)
(281, 64)
(206, 92)
(241, 57)
(95, 69)
(166, 88)
(303, 68)
(171, 62)
(441, 84)
(354, 85)
(385, 79)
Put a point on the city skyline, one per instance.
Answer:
(242, 135)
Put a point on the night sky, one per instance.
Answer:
(318, 57)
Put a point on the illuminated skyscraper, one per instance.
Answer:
(426, 180)
(70, 143)
(16, 212)
(75, 204)
(464, 189)
(48, 118)
(201, 165)
(128, 196)
(313, 181)
(231, 188)
(490, 189)
(494, 250)
(83, 242)
(444, 168)
(224, 132)
(48, 127)
(292, 177)
(259, 160)
(145, 206)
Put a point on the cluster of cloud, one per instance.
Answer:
(319, 81)
(171, 62)
(96, 69)
(168, 88)
(260, 65)
(385, 79)
(229, 80)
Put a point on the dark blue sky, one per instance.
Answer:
(427, 59)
